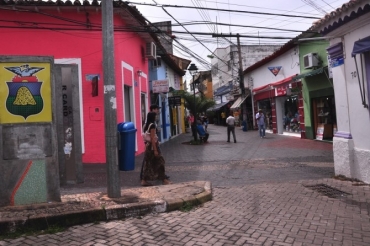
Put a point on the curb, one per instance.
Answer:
(113, 212)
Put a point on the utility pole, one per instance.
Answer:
(110, 104)
(240, 72)
(241, 80)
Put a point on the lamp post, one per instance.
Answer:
(193, 70)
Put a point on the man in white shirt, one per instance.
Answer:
(260, 117)
(230, 122)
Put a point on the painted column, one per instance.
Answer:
(28, 119)
(279, 114)
(342, 141)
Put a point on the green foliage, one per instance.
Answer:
(201, 103)
(186, 207)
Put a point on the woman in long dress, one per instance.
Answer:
(153, 164)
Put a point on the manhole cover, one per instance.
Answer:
(327, 190)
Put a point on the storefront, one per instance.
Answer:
(324, 117)
(319, 104)
(265, 105)
(281, 102)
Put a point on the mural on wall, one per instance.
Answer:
(25, 92)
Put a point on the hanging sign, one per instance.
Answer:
(174, 101)
(275, 70)
(160, 86)
(281, 91)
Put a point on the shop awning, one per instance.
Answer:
(217, 106)
(283, 81)
(275, 84)
(312, 73)
(238, 102)
(261, 88)
(361, 46)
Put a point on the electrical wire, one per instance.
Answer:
(223, 10)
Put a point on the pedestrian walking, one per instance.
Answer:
(153, 167)
(260, 117)
(230, 122)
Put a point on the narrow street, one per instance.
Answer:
(262, 195)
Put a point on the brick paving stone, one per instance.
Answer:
(259, 198)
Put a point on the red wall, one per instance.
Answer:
(86, 45)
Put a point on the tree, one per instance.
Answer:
(201, 103)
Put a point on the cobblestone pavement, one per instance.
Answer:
(273, 191)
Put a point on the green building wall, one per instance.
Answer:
(314, 86)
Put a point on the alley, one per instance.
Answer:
(262, 195)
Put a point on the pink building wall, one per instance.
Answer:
(86, 45)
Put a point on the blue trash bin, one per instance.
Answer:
(126, 146)
(245, 127)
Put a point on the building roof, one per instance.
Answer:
(128, 12)
(322, 26)
(349, 11)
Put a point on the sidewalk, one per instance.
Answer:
(84, 208)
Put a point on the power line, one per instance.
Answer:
(257, 7)
(223, 10)
(225, 24)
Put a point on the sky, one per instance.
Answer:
(203, 45)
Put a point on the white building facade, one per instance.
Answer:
(270, 81)
(225, 61)
(348, 30)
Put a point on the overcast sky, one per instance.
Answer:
(311, 8)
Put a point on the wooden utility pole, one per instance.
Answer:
(240, 72)
(110, 104)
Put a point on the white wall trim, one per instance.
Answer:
(132, 91)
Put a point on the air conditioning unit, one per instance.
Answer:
(151, 51)
(310, 60)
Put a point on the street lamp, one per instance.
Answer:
(193, 70)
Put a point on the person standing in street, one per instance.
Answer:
(153, 167)
(230, 122)
(260, 117)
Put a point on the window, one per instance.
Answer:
(127, 92)
(143, 108)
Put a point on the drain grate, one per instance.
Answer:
(328, 191)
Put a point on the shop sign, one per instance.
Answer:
(176, 82)
(230, 97)
(174, 101)
(160, 86)
(281, 91)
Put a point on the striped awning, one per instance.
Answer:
(238, 102)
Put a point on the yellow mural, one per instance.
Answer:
(25, 92)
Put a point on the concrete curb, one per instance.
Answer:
(113, 212)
